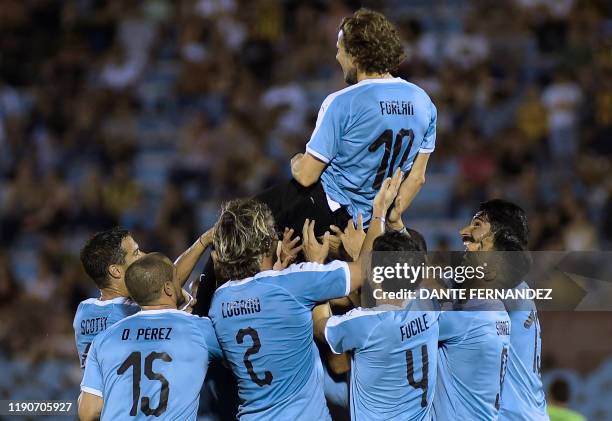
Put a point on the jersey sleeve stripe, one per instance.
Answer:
(328, 341)
(347, 274)
(317, 154)
(425, 150)
(91, 391)
(353, 314)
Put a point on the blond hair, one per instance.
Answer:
(243, 235)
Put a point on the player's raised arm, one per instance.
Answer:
(306, 169)
(409, 189)
(382, 202)
(187, 261)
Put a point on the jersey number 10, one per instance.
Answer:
(386, 139)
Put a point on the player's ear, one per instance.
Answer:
(114, 271)
(169, 288)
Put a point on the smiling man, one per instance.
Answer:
(363, 134)
(502, 226)
(486, 354)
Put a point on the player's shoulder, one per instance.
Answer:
(360, 315)
(117, 325)
(274, 276)
(413, 87)
(315, 267)
(96, 303)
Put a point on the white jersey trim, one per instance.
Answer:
(91, 391)
(316, 154)
(426, 150)
(334, 321)
(102, 303)
(297, 268)
(327, 340)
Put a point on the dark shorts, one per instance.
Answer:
(292, 204)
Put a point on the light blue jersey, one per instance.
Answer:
(472, 361)
(151, 364)
(94, 316)
(366, 131)
(523, 391)
(393, 371)
(264, 326)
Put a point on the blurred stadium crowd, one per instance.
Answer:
(150, 113)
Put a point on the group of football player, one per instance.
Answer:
(410, 361)
(284, 313)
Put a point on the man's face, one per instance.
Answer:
(477, 236)
(346, 62)
(132, 251)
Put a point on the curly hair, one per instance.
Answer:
(508, 224)
(372, 41)
(243, 235)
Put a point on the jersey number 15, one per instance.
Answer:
(134, 360)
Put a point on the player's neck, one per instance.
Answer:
(363, 76)
(167, 306)
(111, 293)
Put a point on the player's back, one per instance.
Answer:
(394, 361)
(365, 132)
(523, 396)
(264, 326)
(472, 360)
(151, 364)
(94, 316)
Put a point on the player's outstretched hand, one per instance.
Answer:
(352, 237)
(388, 192)
(313, 250)
(280, 264)
(290, 248)
(394, 218)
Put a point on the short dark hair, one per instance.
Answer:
(398, 241)
(243, 235)
(508, 224)
(101, 251)
(372, 41)
(145, 277)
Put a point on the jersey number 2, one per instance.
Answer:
(134, 361)
(386, 139)
(254, 349)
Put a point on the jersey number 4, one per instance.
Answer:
(254, 349)
(423, 383)
(386, 139)
(134, 360)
